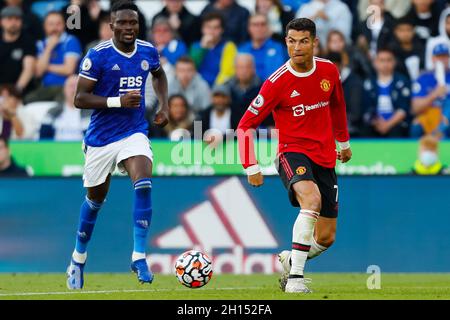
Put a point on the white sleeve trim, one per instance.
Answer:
(84, 76)
(344, 145)
(254, 169)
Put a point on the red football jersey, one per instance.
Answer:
(308, 109)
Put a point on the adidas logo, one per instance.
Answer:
(142, 223)
(221, 223)
(82, 235)
(116, 67)
(216, 224)
(294, 94)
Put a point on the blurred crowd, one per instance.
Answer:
(393, 57)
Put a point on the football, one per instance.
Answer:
(193, 269)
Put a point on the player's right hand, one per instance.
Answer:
(131, 99)
(344, 155)
(256, 179)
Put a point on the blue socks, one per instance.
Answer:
(88, 217)
(142, 216)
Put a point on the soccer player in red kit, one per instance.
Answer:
(306, 100)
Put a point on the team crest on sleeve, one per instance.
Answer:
(258, 102)
(325, 85)
(87, 64)
(300, 170)
(144, 65)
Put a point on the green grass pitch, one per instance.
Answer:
(115, 286)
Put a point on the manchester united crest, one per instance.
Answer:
(300, 170)
(325, 85)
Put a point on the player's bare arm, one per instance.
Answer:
(85, 99)
(159, 83)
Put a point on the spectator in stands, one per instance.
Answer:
(10, 103)
(424, 15)
(218, 115)
(431, 97)
(8, 167)
(235, 18)
(376, 31)
(244, 81)
(65, 122)
(351, 57)
(428, 162)
(386, 98)
(185, 24)
(31, 23)
(17, 51)
(142, 22)
(164, 40)
(408, 49)
(444, 37)
(89, 13)
(353, 93)
(104, 31)
(294, 5)
(213, 55)
(189, 83)
(268, 54)
(328, 15)
(180, 120)
(278, 16)
(58, 57)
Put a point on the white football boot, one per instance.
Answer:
(297, 285)
(285, 259)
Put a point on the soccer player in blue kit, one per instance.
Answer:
(111, 80)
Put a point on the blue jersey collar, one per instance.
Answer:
(126, 55)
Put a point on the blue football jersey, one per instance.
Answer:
(116, 73)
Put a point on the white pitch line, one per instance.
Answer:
(18, 294)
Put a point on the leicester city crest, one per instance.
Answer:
(144, 65)
(87, 64)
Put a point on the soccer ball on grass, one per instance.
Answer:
(193, 269)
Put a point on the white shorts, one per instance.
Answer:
(101, 161)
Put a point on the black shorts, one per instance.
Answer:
(294, 167)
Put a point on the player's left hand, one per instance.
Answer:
(161, 119)
(344, 155)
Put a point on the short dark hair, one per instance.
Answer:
(179, 96)
(402, 21)
(386, 48)
(214, 16)
(123, 5)
(302, 24)
(59, 13)
(186, 59)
